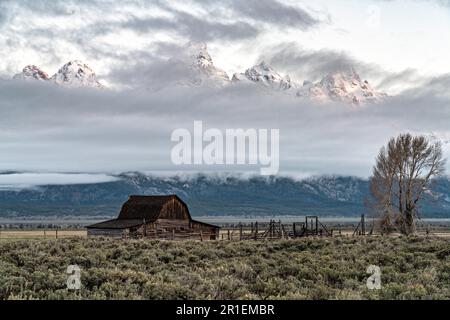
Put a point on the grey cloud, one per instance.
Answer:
(408, 77)
(17, 181)
(4, 13)
(194, 28)
(2, 17)
(156, 74)
(103, 18)
(434, 86)
(311, 65)
(49, 8)
(443, 82)
(266, 11)
(440, 2)
(275, 12)
(48, 128)
(211, 21)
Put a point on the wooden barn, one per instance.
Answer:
(156, 217)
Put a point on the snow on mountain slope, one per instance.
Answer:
(194, 66)
(212, 195)
(343, 86)
(76, 74)
(198, 66)
(265, 75)
(31, 72)
(72, 74)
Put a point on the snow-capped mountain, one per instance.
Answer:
(343, 86)
(194, 66)
(221, 195)
(198, 66)
(266, 75)
(76, 74)
(73, 74)
(31, 72)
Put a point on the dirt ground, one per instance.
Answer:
(38, 234)
(52, 234)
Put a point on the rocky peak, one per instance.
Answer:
(342, 86)
(266, 75)
(200, 66)
(31, 72)
(76, 74)
(198, 54)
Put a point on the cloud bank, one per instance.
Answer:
(44, 128)
(19, 181)
(108, 33)
(53, 129)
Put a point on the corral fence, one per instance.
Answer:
(273, 229)
(313, 227)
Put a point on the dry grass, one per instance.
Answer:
(309, 268)
(40, 234)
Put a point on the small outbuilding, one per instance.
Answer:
(156, 217)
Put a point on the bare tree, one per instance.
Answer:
(403, 173)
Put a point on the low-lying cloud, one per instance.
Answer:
(18, 181)
(312, 65)
(52, 129)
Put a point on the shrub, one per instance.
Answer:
(412, 268)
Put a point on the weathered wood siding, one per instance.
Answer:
(174, 209)
(176, 229)
(113, 233)
(208, 232)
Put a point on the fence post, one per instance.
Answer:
(144, 231)
(240, 231)
(363, 225)
(272, 228)
(280, 227)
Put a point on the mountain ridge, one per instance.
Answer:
(213, 196)
(73, 74)
(198, 69)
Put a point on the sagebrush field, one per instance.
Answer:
(328, 268)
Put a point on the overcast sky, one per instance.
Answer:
(400, 46)
(393, 35)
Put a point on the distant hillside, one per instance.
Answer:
(257, 196)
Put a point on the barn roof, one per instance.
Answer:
(117, 224)
(146, 207)
(140, 209)
(205, 224)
